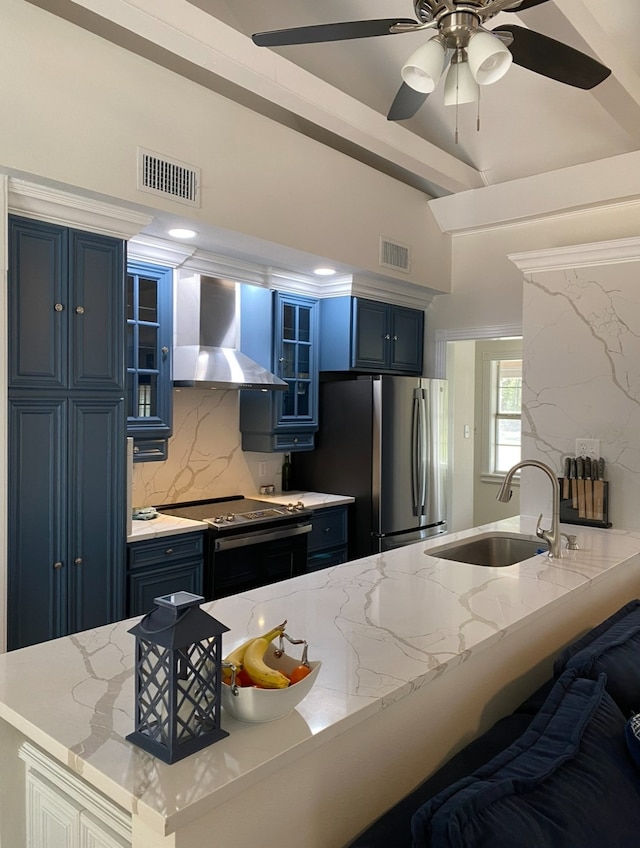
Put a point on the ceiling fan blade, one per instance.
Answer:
(553, 59)
(329, 32)
(526, 4)
(406, 103)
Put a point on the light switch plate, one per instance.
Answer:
(588, 447)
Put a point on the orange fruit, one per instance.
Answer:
(299, 673)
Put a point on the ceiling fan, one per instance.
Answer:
(475, 55)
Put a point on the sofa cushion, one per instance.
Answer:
(393, 829)
(563, 784)
(612, 648)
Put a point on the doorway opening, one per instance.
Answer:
(466, 357)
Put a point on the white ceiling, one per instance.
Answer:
(529, 124)
(340, 93)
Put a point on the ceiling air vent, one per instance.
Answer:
(168, 177)
(394, 255)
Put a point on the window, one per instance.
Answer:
(500, 406)
(507, 404)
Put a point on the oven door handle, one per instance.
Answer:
(225, 544)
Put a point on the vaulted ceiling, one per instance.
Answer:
(341, 92)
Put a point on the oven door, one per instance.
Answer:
(243, 561)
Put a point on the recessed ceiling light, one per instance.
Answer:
(182, 233)
(324, 272)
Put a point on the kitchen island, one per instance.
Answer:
(419, 656)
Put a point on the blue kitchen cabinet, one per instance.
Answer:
(66, 456)
(65, 308)
(66, 522)
(357, 334)
(328, 540)
(149, 327)
(163, 566)
(280, 332)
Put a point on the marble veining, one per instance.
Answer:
(384, 626)
(581, 352)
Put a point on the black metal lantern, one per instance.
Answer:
(178, 678)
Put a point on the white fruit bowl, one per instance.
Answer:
(258, 705)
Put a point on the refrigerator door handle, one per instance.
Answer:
(419, 457)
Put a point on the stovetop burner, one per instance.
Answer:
(236, 511)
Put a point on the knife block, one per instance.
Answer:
(595, 507)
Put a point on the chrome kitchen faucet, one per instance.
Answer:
(552, 537)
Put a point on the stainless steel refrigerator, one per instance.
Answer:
(383, 440)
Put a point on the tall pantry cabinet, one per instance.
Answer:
(66, 431)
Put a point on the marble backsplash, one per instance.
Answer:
(205, 459)
(581, 328)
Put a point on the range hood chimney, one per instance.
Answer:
(205, 351)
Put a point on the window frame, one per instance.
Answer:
(490, 360)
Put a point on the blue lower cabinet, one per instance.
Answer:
(162, 566)
(66, 516)
(328, 540)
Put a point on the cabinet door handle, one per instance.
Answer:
(169, 551)
(327, 529)
(57, 565)
(79, 310)
(387, 337)
(165, 350)
(78, 561)
(58, 307)
(395, 338)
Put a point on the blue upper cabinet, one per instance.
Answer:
(280, 332)
(365, 335)
(66, 318)
(149, 310)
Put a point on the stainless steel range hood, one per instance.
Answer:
(205, 351)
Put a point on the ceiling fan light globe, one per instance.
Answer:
(489, 59)
(460, 86)
(424, 67)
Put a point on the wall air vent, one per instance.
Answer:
(394, 255)
(168, 177)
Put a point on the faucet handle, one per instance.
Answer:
(572, 542)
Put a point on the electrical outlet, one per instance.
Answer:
(262, 469)
(588, 447)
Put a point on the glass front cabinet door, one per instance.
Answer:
(149, 307)
(280, 420)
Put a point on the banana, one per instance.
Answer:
(236, 657)
(259, 672)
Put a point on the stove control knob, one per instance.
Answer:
(218, 519)
(230, 517)
(299, 505)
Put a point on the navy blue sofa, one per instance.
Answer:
(562, 771)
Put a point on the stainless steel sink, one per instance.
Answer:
(491, 549)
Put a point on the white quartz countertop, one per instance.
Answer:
(163, 525)
(314, 500)
(383, 627)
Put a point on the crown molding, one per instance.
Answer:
(399, 292)
(45, 203)
(579, 255)
(145, 248)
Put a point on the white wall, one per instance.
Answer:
(486, 287)
(461, 376)
(76, 107)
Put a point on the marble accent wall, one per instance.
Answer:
(581, 329)
(205, 455)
